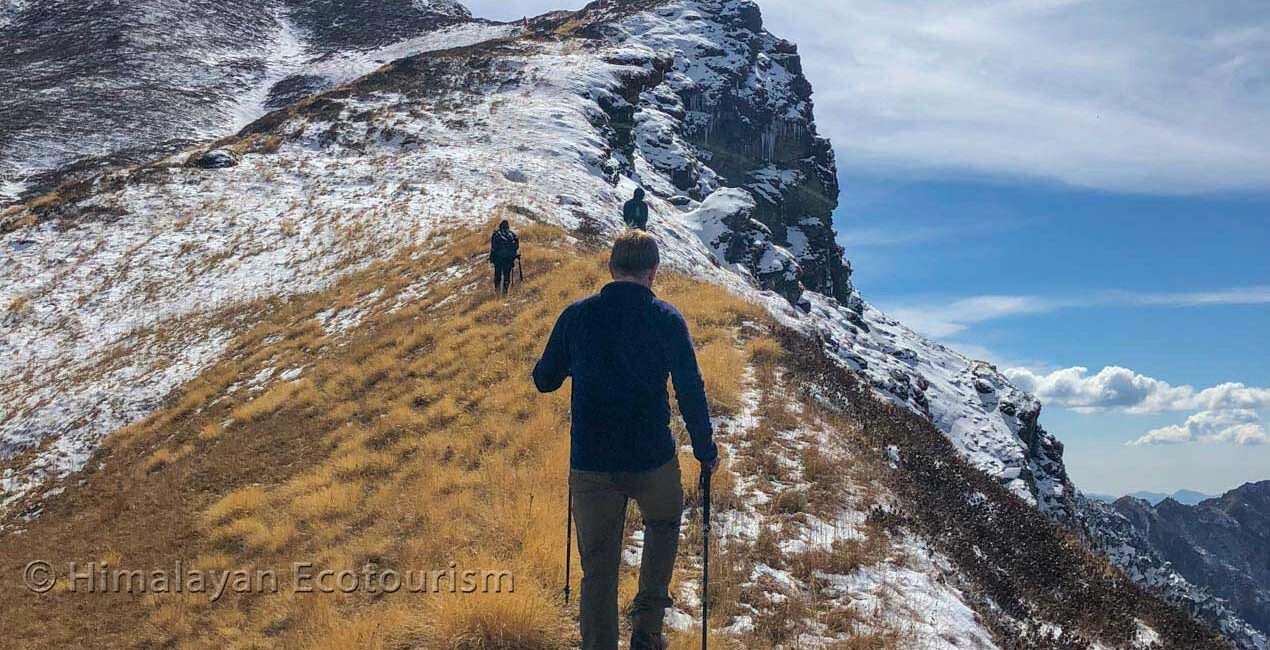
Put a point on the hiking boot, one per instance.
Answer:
(648, 641)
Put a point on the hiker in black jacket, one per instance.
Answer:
(504, 248)
(619, 346)
(635, 212)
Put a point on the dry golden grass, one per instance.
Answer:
(18, 307)
(44, 202)
(841, 557)
(765, 353)
(411, 442)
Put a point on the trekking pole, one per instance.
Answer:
(568, 546)
(521, 268)
(705, 556)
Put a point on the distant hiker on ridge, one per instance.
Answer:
(635, 212)
(619, 346)
(504, 248)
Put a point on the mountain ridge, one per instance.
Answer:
(1188, 497)
(1220, 543)
(90, 86)
(590, 103)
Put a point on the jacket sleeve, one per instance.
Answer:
(690, 389)
(552, 369)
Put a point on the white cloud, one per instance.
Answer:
(1119, 388)
(942, 318)
(1240, 296)
(1112, 387)
(1156, 96)
(957, 316)
(921, 233)
(1238, 426)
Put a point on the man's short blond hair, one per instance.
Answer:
(634, 254)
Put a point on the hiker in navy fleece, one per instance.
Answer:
(620, 346)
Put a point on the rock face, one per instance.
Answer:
(730, 107)
(1222, 544)
(727, 222)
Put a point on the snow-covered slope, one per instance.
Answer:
(118, 289)
(529, 124)
(88, 85)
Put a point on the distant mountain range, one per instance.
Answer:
(1222, 543)
(1184, 497)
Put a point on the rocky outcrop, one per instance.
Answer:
(214, 159)
(728, 109)
(726, 222)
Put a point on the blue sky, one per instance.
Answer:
(920, 245)
(1058, 185)
(1076, 190)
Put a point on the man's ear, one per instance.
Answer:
(652, 275)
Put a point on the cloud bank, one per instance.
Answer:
(1227, 412)
(1238, 426)
(1119, 388)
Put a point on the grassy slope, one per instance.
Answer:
(415, 439)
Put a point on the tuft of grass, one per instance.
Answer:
(45, 202)
(482, 621)
(842, 557)
(244, 501)
(19, 307)
(164, 457)
(765, 353)
(269, 402)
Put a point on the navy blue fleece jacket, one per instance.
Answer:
(620, 346)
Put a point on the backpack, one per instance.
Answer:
(504, 245)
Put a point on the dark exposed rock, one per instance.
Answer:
(294, 88)
(213, 159)
(752, 122)
(743, 240)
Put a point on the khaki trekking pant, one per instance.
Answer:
(599, 509)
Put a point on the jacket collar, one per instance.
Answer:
(625, 288)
